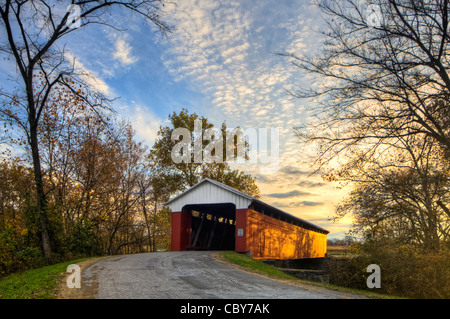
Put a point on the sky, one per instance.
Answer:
(220, 63)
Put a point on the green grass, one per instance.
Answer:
(34, 284)
(255, 265)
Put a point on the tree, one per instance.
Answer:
(123, 221)
(381, 125)
(15, 192)
(155, 189)
(402, 199)
(378, 80)
(381, 90)
(34, 30)
(184, 175)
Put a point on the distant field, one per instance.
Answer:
(337, 251)
(337, 248)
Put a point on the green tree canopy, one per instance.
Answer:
(184, 175)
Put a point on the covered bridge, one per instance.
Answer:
(214, 216)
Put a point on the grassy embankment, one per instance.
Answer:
(38, 283)
(255, 265)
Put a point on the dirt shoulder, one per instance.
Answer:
(86, 291)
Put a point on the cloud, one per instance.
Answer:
(123, 51)
(89, 76)
(144, 122)
(293, 193)
(310, 184)
(224, 50)
(294, 171)
(308, 203)
(297, 204)
(215, 50)
(260, 178)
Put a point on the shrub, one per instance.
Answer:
(31, 257)
(7, 250)
(84, 241)
(15, 255)
(407, 270)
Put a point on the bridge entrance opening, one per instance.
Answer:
(212, 226)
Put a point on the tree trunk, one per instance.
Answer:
(147, 223)
(40, 194)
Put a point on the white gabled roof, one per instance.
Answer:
(209, 191)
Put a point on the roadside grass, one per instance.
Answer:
(255, 265)
(38, 283)
(261, 268)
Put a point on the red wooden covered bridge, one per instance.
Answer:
(214, 216)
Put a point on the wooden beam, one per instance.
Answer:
(224, 232)
(216, 219)
(199, 229)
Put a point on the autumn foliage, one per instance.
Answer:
(99, 189)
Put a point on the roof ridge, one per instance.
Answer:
(228, 187)
(217, 183)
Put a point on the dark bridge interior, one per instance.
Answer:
(212, 226)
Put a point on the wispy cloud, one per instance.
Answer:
(310, 184)
(215, 47)
(145, 123)
(90, 76)
(297, 204)
(225, 50)
(123, 51)
(294, 193)
(290, 170)
(309, 203)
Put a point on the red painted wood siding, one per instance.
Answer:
(181, 227)
(241, 242)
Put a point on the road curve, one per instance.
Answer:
(186, 275)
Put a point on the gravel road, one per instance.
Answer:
(185, 275)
